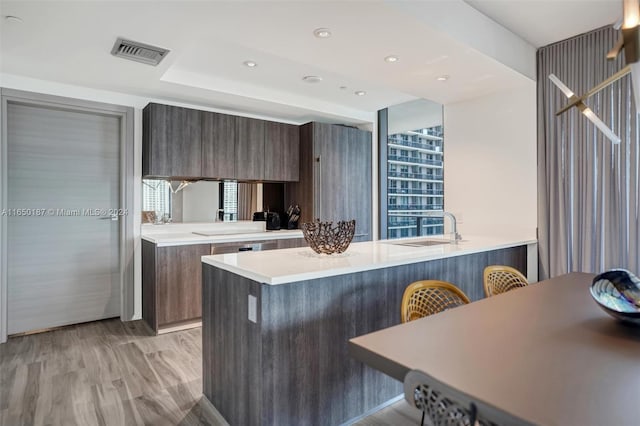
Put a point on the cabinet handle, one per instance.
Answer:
(319, 195)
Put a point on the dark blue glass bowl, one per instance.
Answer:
(618, 293)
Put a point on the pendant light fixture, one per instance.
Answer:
(630, 42)
(584, 109)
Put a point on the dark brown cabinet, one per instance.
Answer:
(186, 143)
(171, 141)
(172, 284)
(358, 182)
(281, 152)
(218, 145)
(249, 152)
(172, 280)
(335, 176)
(292, 243)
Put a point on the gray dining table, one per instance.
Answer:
(545, 353)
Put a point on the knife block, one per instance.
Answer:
(292, 224)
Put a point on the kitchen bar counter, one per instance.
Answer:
(297, 264)
(278, 354)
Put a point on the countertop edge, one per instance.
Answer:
(291, 278)
(197, 239)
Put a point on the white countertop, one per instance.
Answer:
(180, 234)
(298, 264)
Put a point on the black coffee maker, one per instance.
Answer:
(272, 219)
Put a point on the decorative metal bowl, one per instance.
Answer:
(325, 238)
(617, 292)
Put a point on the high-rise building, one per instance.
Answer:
(230, 200)
(156, 197)
(415, 182)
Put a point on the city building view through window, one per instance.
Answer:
(415, 164)
(156, 197)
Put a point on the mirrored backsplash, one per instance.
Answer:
(200, 201)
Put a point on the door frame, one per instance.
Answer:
(127, 150)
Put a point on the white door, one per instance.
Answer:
(62, 246)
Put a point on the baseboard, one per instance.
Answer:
(373, 410)
(180, 326)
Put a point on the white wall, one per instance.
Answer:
(490, 163)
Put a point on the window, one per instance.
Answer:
(156, 197)
(417, 125)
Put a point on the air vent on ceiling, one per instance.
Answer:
(139, 52)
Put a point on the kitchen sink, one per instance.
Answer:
(421, 243)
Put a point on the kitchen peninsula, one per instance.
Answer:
(276, 324)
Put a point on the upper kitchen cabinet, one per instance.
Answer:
(281, 152)
(171, 141)
(249, 152)
(187, 143)
(335, 176)
(218, 145)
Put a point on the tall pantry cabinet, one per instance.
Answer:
(335, 176)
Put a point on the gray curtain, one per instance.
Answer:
(588, 204)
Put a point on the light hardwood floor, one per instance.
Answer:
(114, 373)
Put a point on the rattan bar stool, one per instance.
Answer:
(428, 297)
(499, 279)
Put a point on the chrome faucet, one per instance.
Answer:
(455, 237)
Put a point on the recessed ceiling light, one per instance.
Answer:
(312, 79)
(343, 87)
(322, 32)
(443, 78)
(250, 64)
(360, 93)
(391, 59)
(11, 18)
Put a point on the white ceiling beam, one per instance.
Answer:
(468, 26)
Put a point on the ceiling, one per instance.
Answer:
(542, 22)
(70, 42)
(414, 115)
